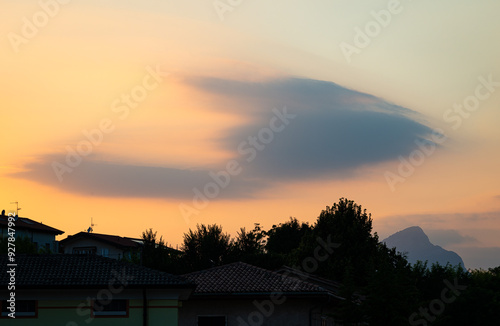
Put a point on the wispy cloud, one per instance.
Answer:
(97, 178)
(479, 257)
(440, 221)
(449, 237)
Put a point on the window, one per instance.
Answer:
(114, 308)
(105, 252)
(84, 250)
(211, 321)
(24, 308)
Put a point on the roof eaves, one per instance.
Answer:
(35, 226)
(101, 286)
(263, 294)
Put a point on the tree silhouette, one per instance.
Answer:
(23, 245)
(378, 283)
(348, 225)
(206, 247)
(286, 237)
(250, 243)
(156, 254)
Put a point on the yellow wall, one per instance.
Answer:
(77, 313)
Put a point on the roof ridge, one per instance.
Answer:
(114, 239)
(108, 235)
(309, 275)
(217, 267)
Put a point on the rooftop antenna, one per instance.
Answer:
(91, 227)
(17, 207)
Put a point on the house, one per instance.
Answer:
(105, 245)
(76, 290)
(42, 236)
(242, 294)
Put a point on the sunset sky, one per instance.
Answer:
(166, 114)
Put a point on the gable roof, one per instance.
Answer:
(244, 279)
(49, 271)
(115, 240)
(29, 224)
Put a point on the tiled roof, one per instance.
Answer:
(84, 271)
(331, 286)
(242, 278)
(26, 223)
(115, 240)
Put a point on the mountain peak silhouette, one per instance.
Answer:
(416, 244)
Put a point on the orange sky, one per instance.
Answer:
(219, 82)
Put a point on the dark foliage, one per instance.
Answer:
(380, 286)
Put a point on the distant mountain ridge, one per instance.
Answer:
(416, 244)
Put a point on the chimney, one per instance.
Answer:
(3, 212)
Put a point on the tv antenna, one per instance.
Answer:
(91, 227)
(17, 207)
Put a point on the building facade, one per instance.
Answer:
(105, 245)
(76, 290)
(41, 235)
(241, 294)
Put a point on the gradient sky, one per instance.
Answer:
(334, 96)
